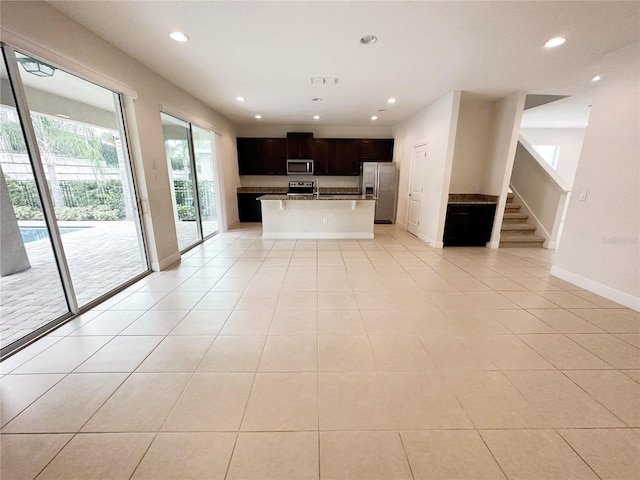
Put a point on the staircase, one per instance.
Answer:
(515, 231)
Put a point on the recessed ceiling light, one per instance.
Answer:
(368, 39)
(391, 100)
(555, 42)
(374, 117)
(382, 109)
(596, 78)
(317, 99)
(179, 36)
(241, 99)
(316, 117)
(258, 117)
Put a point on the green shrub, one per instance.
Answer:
(76, 214)
(186, 213)
(28, 213)
(80, 214)
(104, 213)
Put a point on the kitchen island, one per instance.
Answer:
(319, 217)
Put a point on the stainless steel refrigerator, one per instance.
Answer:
(380, 179)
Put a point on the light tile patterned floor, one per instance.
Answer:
(381, 359)
(101, 258)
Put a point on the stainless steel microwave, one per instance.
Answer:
(299, 167)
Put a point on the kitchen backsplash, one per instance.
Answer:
(283, 180)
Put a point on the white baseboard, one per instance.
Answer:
(403, 225)
(494, 244)
(319, 236)
(430, 241)
(166, 262)
(552, 245)
(598, 288)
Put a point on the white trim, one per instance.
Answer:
(174, 112)
(316, 235)
(166, 262)
(430, 241)
(58, 60)
(402, 225)
(493, 244)
(598, 288)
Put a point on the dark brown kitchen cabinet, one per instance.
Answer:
(299, 145)
(249, 208)
(468, 224)
(321, 156)
(344, 156)
(262, 156)
(376, 150)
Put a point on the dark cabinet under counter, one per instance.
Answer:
(469, 224)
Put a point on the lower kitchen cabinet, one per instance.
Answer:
(469, 225)
(249, 207)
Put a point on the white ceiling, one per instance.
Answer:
(268, 51)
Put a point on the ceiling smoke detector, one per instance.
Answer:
(324, 80)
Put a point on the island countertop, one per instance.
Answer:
(314, 197)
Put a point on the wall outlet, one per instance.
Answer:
(325, 220)
(583, 195)
(475, 188)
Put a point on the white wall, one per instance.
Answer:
(436, 125)
(471, 145)
(37, 28)
(503, 139)
(570, 141)
(599, 249)
(540, 191)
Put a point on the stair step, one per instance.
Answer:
(512, 207)
(509, 197)
(517, 228)
(521, 241)
(515, 218)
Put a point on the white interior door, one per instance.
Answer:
(416, 183)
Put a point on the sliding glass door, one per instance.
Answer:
(190, 156)
(204, 152)
(71, 190)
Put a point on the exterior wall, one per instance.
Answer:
(35, 28)
(599, 249)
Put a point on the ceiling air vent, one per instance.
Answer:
(324, 80)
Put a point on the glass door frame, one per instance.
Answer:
(194, 170)
(8, 54)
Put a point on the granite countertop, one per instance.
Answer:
(472, 198)
(262, 190)
(323, 196)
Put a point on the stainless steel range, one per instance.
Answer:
(300, 188)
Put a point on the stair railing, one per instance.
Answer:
(541, 192)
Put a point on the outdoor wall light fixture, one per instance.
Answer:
(36, 67)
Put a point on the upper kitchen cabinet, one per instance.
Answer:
(344, 156)
(299, 145)
(262, 156)
(321, 156)
(376, 150)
